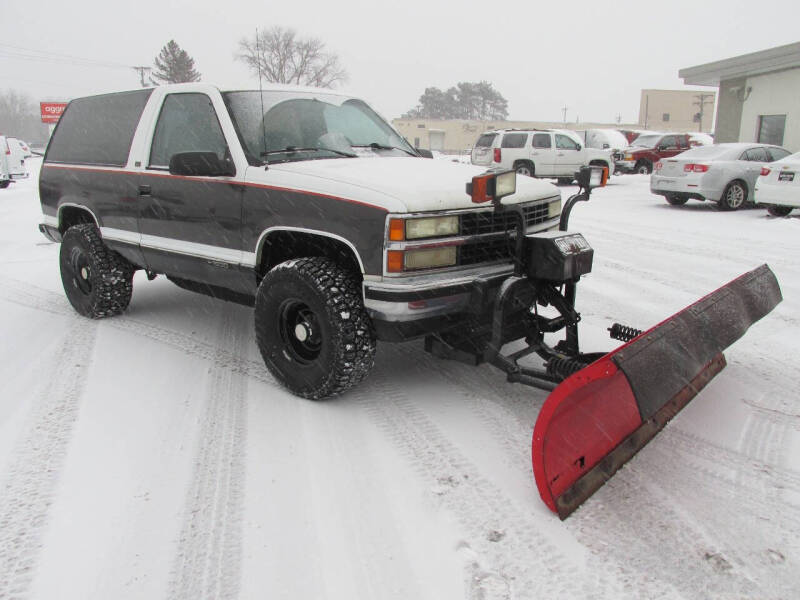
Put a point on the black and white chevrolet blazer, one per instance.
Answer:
(303, 202)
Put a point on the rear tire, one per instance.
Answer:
(676, 200)
(5, 184)
(779, 211)
(734, 196)
(98, 282)
(312, 329)
(525, 168)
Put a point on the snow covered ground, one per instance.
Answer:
(152, 456)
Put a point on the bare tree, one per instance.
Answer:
(282, 56)
(19, 117)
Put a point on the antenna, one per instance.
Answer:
(261, 96)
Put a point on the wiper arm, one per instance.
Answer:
(377, 146)
(293, 149)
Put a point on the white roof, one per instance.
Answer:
(755, 63)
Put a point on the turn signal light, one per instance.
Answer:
(765, 171)
(497, 155)
(695, 168)
(659, 164)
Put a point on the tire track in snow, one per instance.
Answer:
(208, 559)
(29, 487)
(31, 296)
(510, 557)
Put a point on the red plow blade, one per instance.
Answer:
(600, 417)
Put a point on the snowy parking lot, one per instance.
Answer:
(152, 455)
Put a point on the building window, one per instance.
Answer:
(770, 129)
(421, 126)
(416, 142)
(665, 117)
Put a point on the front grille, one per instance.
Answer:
(478, 223)
(619, 155)
(487, 251)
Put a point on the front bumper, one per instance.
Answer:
(419, 306)
(626, 166)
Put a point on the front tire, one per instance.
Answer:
(643, 168)
(779, 211)
(312, 329)
(734, 196)
(98, 282)
(5, 183)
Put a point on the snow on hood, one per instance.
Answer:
(399, 184)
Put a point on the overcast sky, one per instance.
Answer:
(592, 57)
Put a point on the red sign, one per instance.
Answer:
(51, 111)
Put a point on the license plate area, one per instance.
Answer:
(787, 176)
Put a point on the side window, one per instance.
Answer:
(187, 123)
(756, 155)
(777, 153)
(669, 142)
(514, 140)
(565, 143)
(542, 140)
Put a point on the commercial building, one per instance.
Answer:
(677, 110)
(758, 95)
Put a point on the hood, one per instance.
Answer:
(398, 184)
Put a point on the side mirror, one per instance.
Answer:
(662, 147)
(424, 153)
(203, 164)
(580, 147)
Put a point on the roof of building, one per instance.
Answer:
(755, 63)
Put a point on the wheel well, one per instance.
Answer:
(644, 161)
(283, 245)
(73, 215)
(529, 163)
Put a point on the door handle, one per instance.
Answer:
(144, 190)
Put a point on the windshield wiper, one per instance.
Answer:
(377, 146)
(293, 149)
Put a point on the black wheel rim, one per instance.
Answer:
(300, 331)
(80, 270)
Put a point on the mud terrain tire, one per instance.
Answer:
(312, 329)
(98, 282)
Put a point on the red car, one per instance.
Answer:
(648, 149)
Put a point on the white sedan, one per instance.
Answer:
(722, 173)
(778, 187)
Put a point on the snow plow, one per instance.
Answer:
(603, 407)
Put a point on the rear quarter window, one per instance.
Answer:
(514, 140)
(98, 130)
(485, 141)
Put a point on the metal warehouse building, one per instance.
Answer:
(758, 99)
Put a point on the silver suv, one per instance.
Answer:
(538, 152)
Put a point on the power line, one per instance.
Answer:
(20, 53)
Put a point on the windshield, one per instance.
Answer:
(281, 126)
(646, 141)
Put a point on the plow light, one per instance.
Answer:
(492, 185)
(592, 177)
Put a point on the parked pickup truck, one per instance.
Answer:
(302, 202)
(647, 149)
(539, 153)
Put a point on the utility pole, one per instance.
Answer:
(142, 71)
(701, 100)
(564, 110)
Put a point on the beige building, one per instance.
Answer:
(458, 135)
(758, 95)
(677, 110)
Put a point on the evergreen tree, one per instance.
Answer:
(174, 65)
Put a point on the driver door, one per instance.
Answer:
(190, 226)
(569, 157)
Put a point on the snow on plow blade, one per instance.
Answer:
(600, 417)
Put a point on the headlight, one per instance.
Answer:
(554, 209)
(431, 227)
(430, 258)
